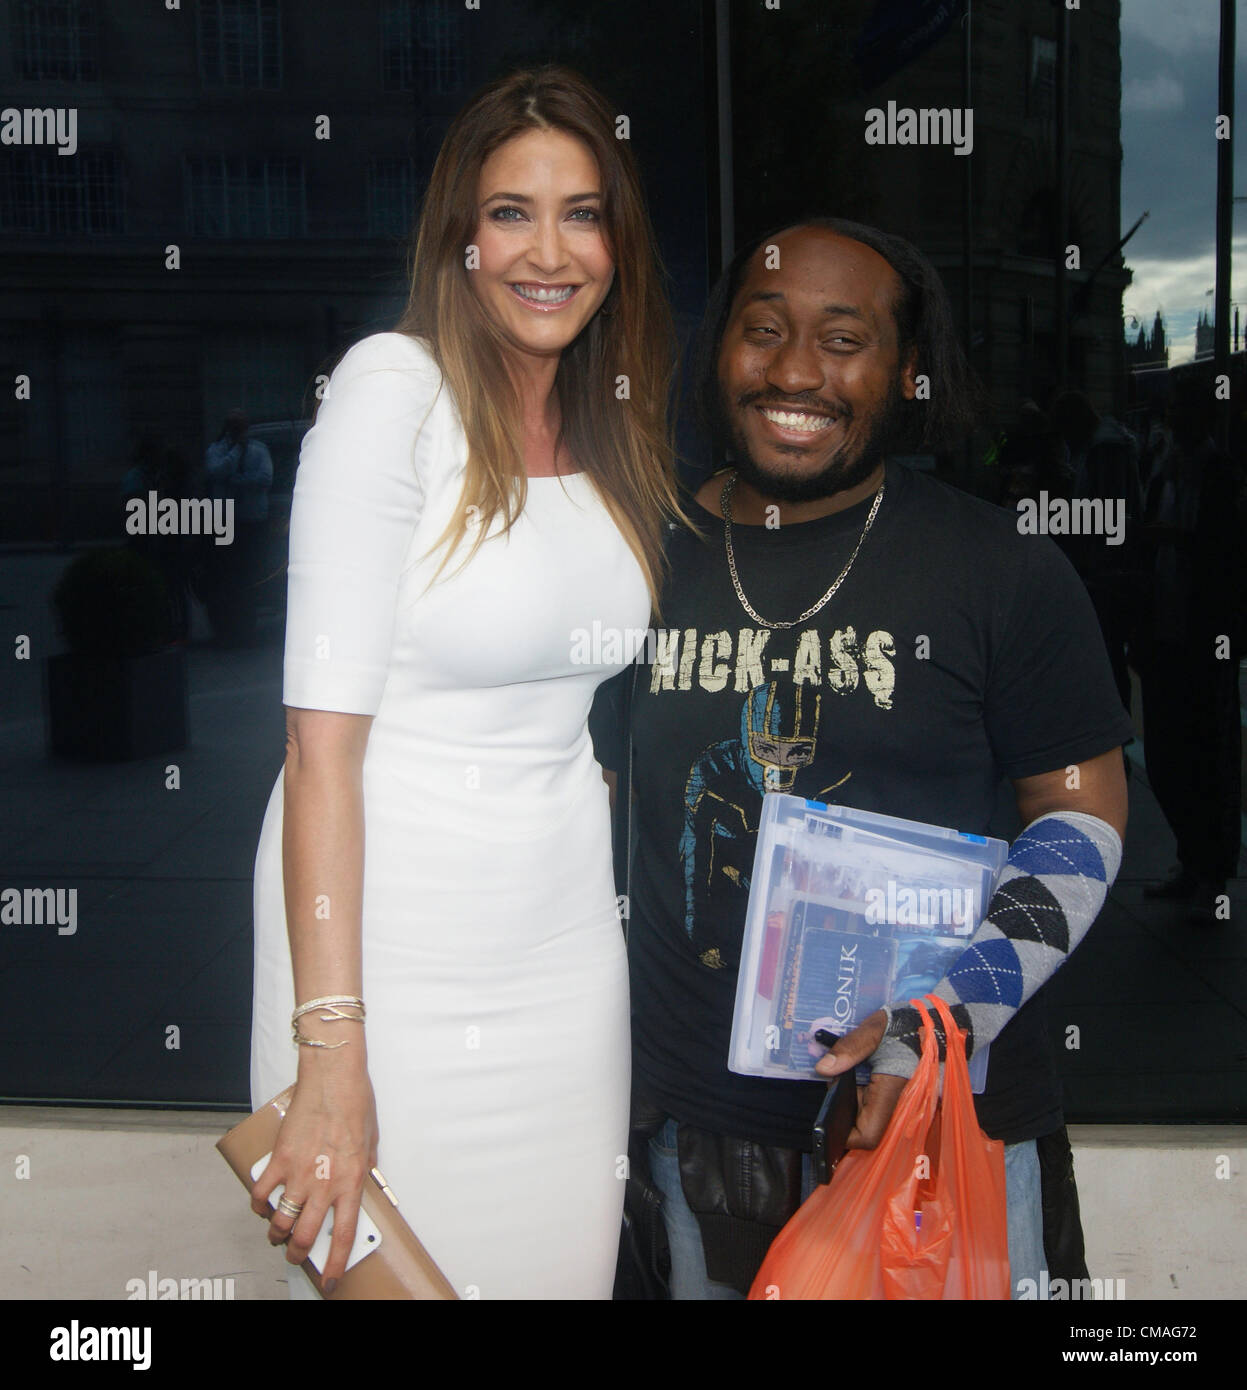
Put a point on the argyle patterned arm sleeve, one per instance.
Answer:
(1051, 889)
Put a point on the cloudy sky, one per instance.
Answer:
(1169, 107)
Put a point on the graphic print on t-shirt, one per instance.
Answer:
(774, 751)
(685, 660)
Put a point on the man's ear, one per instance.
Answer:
(909, 374)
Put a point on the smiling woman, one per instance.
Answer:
(533, 202)
(441, 708)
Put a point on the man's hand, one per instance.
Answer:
(878, 1100)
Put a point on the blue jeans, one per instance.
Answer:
(689, 1280)
(1024, 1203)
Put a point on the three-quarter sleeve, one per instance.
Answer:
(358, 495)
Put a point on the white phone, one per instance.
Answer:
(367, 1236)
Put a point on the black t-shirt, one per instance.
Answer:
(955, 653)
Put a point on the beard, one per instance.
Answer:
(839, 474)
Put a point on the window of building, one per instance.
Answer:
(42, 194)
(1037, 227)
(421, 46)
(240, 196)
(1041, 79)
(392, 194)
(240, 43)
(55, 40)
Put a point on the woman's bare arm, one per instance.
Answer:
(328, 1140)
(323, 855)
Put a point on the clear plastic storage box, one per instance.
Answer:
(849, 910)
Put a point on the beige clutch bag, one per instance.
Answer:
(399, 1267)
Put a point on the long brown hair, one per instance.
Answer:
(623, 444)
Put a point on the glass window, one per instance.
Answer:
(42, 194)
(421, 46)
(1041, 83)
(391, 197)
(241, 196)
(240, 43)
(55, 40)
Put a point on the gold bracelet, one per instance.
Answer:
(300, 1041)
(332, 1003)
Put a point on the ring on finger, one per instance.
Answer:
(289, 1208)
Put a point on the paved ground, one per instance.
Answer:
(163, 939)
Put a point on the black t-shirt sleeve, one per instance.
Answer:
(1050, 699)
(608, 720)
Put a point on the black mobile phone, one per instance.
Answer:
(836, 1117)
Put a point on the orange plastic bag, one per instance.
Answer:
(920, 1217)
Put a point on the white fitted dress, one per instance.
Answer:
(493, 960)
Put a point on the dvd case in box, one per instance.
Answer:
(848, 910)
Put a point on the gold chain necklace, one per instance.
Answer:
(725, 506)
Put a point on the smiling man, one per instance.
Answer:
(851, 631)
